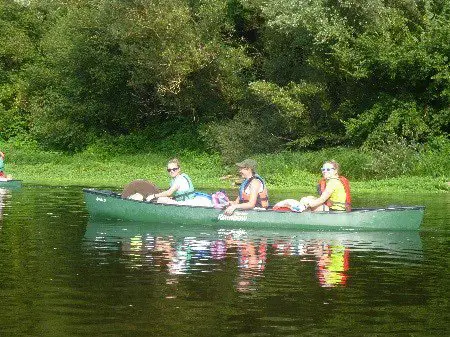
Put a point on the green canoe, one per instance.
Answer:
(10, 184)
(110, 205)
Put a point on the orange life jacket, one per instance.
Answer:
(348, 196)
(262, 200)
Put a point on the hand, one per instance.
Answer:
(229, 210)
(150, 197)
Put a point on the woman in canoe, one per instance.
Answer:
(253, 190)
(181, 188)
(334, 193)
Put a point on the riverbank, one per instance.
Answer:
(283, 172)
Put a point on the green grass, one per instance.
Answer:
(283, 172)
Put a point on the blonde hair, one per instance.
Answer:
(174, 161)
(335, 164)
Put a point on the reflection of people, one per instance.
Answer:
(3, 176)
(218, 249)
(252, 262)
(2, 193)
(253, 190)
(334, 191)
(332, 266)
(181, 187)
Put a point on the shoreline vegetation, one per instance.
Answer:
(284, 172)
(116, 91)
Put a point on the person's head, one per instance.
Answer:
(330, 169)
(247, 167)
(173, 167)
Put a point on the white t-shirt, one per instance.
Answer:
(181, 183)
(248, 189)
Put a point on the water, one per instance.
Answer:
(62, 274)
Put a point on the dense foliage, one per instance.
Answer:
(237, 76)
(401, 168)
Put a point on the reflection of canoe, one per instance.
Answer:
(10, 184)
(106, 204)
(121, 231)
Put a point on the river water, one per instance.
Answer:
(62, 274)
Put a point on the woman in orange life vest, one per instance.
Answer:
(334, 191)
(253, 191)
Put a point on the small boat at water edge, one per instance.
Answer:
(110, 205)
(10, 184)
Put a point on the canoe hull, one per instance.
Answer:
(10, 184)
(108, 205)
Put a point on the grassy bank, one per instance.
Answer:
(285, 171)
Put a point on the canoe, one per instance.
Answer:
(109, 205)
(10, 184)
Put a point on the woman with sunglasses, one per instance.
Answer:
(181, 187)
(334, 191)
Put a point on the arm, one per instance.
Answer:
(167, 193)
(254, 190)
(234, 202)
(322, 199)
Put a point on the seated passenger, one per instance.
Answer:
(334, 191)
(181, 188)
(253, 190)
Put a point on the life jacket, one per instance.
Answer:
(262, 200)
(184, 194)
(348, 198)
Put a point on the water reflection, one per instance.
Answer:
(2, 196)
(332, 264)
(179, 251)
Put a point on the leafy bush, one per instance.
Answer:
(387, 119)
(392, 158)
(238, 138)
(434, 158)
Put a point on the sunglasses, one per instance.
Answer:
(172, 169)
(327, 169)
